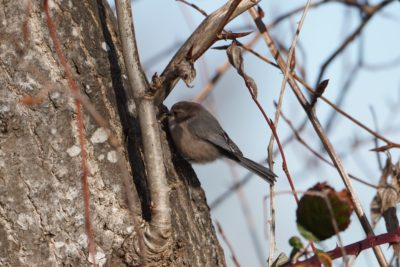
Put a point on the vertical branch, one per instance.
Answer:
(158, 231)
(272, 241)
(321, 134)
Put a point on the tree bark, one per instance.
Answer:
(41, 203)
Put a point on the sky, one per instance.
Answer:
(162, 25)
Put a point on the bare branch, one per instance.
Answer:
(351, 37)
(355, 248)
(158, 231)
(321, 133)
(200, 40)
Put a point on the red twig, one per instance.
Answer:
(355, 248)
(233, 255)
(73, 87)
(273, 129)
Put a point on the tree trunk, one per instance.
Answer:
(41, 201)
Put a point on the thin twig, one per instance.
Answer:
(319, 156)
(355, 248)
(194, 6)
(233, 255)
(233, 188)
(348, 116)
(272, 242)
(389, 143)
(351, 37)
(321, 134)
(375, 120)
(74, 87)
(200, 40)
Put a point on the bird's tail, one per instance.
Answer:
(258, 169)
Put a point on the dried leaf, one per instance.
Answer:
(232, 35)
(386, 198)
(313, 214)
(235, 56)
(186, 71)
(251, 84)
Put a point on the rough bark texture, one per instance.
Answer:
(41, 210)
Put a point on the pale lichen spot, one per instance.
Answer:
(25, 221)
(51, 5)
(75, 32)
(105, 46)
(55, 95)
(129, 229)
(99, 136)
(53, 131)
(71, 194)
(100, 257)
(59, 244)
(4, 108)
(61, 171)
(92, 167)
(116, 188)
(112, 156)
(82, 240)
(101, 157)
(131, 107)
(74, 151)
(29, 83)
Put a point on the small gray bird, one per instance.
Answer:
(200, 138)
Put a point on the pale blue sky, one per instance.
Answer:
(160, 24)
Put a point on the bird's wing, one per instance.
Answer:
(218, 137)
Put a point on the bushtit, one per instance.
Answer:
(200, 138)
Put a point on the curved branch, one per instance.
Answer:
(321, 134)
(351, 37)
(200, 40)
(355, 248)
(157, 236)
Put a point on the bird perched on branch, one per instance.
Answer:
(199, 138)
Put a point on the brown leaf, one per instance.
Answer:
(232, 35)
(386, 198)
(251, 84)
(235, 56)
(186, 71)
